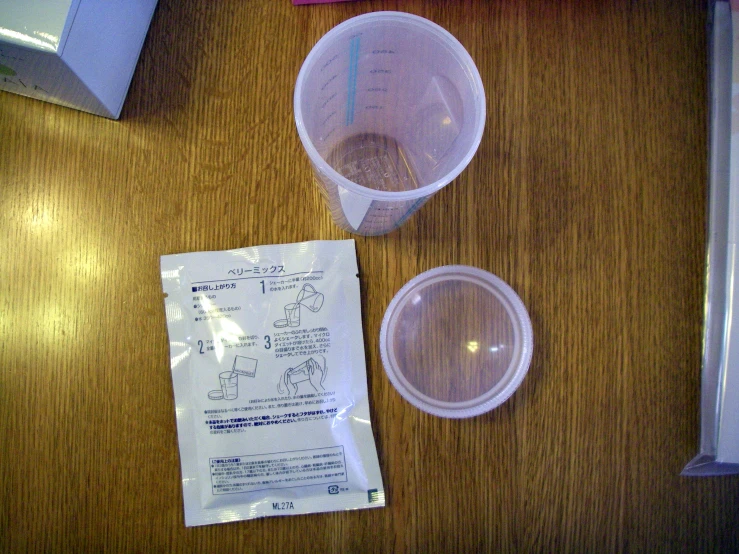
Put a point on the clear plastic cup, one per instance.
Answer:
(390, 108)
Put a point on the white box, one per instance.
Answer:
(719, 443)
(77, 53)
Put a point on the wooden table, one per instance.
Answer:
(587, 195)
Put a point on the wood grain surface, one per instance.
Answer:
(587, 195)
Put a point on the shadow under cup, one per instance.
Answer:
(390, 108)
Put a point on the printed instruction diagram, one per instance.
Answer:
(229, 380)
(311, 371)
(308, 298)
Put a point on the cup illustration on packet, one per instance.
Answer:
(309, 298)
(229, 380)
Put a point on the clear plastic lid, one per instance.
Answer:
(456, 341)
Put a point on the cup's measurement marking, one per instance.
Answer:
(409, 212)
(329, 62)
(328, 82)
(328, 100)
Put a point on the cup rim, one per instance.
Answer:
(454, 46)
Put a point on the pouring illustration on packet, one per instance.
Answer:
(309, 298)
(246, 367)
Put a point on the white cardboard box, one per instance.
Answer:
(77, 53)
(719, 443)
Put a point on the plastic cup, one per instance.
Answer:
(229, 384)
(390, 108)
(292, 316)
(456, 341)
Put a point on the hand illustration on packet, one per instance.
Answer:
(270, 384)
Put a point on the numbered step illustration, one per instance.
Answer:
(308, 298)
(307, 377)
(243, 366)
